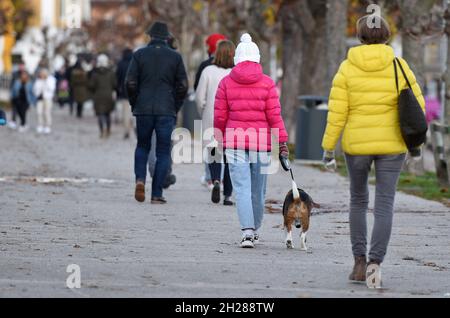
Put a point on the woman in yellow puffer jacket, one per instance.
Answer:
(363, 107)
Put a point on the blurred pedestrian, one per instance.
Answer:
(15, 76)
(157, 86)
(103, 84)
(79, 83)
(433, 109)
(363, 107)
(205, 97)
(122, 98)
(62, 87)
(22, 98)
(247, 103)
(70, 63)
(211, 43)
(44, 91)
(2, 118)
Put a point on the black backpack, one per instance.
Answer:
(413, 124)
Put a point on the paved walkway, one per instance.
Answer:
(188, 248)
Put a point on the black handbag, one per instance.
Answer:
(413, 123)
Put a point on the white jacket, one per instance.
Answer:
(46, 87)
(206, 93)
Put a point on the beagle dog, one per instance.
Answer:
(297, 209)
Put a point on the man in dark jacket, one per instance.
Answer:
(157, 85)
(122, 97)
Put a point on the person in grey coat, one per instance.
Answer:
(102, 85)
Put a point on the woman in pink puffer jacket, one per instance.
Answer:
(246, 111)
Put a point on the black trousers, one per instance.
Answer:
(216, 174)
(79, 109)
(22, 109)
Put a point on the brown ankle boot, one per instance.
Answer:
(359, 269)
(139, 193)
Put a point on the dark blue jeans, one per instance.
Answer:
(163, 126)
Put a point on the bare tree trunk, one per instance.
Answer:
(447, 72)
(336, 43)
(314, 64)
(414, 14)
(304, 54)
(336, 37)
(292, 46)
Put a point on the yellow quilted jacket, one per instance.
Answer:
(363, 103)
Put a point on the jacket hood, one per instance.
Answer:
(372, 58)
(247, 73)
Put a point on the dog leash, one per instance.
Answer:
(286, 164)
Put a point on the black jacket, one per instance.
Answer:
(121, 73)
(156, 81)
(202, 66)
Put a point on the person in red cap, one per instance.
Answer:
(211, 42)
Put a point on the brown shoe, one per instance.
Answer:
(359, 269)
(139, 193)
(159, 200)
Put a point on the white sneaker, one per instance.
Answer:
(12, 125)
(47, 130)
(23, 129)
(248, 239)
(373, 276)
(256, 238)
(40, 130)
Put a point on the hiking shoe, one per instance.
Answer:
(248, 241)
(359, 269)
(215, 193)
(373, 274)
(139, 193)
(227, 201)
(160, 200)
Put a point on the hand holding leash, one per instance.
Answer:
(284, 156)
(329, 161)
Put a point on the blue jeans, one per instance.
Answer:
(249, 180)
(163, 125)
(152, 159)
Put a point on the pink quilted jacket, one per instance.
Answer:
(247, 106)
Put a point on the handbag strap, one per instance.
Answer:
(396, 75)
(403, 72)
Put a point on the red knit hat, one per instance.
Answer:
(212, 41)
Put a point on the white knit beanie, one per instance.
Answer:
(102, 60)
(247, 50)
